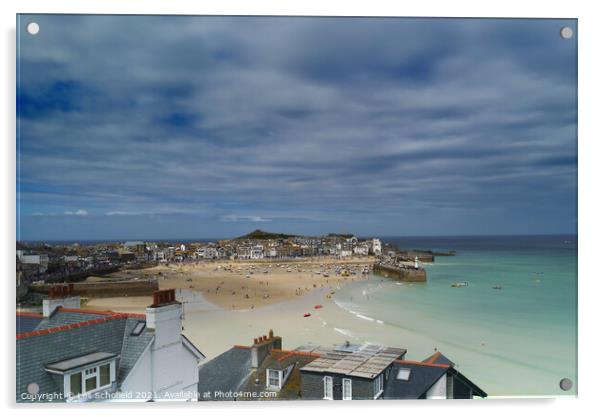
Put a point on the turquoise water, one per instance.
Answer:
(517, 341)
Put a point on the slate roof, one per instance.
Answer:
(133, 347)
(60, 337)
(27, 322)
(229, 371)
(438, 358)
(422, 377)
(62, 317)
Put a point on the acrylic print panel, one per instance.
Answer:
(351, 208)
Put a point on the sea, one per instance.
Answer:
(518, 340)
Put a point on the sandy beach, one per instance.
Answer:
(241, 285)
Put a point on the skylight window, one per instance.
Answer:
(138, 328)
(404, 374)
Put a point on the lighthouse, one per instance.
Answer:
(416, 262)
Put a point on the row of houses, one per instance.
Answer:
(253, 249)
(70, 354)
(56, 263)
(346, 371)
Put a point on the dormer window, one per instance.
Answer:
(273, 378)
(85, 375)
(90, 380)
(276, 378)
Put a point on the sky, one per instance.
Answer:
(183, 127)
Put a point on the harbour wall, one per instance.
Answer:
(401, 274)
(105, 289)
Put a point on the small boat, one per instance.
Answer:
(318, 306)
(497, 287)
(307, 315)
(460, 284)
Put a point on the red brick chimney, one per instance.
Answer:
(262, 346)
(61, 295)
(164, 297)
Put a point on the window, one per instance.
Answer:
(347, 394)
(91, 375)
(404, 374)
(138, 328)
(378, 386)
(273, 378)
(105, 375)
(90, 383)
(76, 383)
(328, 388)
(90, 379)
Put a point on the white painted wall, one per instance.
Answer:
(139, 381)
(166, 320)
(51, 304)
(173, 367)
(439, 390)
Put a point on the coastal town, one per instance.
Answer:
(52, 263)
(120, 308)
(43, 263)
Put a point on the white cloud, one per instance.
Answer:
(121, 213)
(79, 212)
(237, 218)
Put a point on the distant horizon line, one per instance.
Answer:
(205, 239)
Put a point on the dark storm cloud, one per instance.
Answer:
(210, 126)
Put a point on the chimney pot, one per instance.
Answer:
(255, 341)
(271, 333)
(164, 297)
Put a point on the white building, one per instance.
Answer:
(207, 252)
(361, 250)
(345, 253)
(257, 252)
(84, 355)
(376, 247)
(41, 260)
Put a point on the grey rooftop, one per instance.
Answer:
(80, 361)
